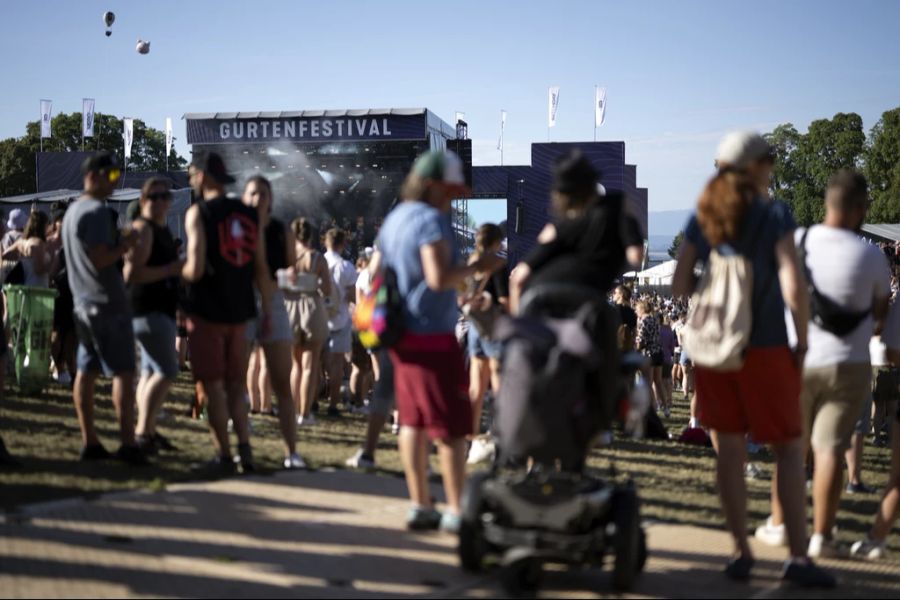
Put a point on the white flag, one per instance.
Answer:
(168, 136)
(460, 116)
(502, 126)
(554, 105)
(46, 107)
(87, 117)
(129, 136)
(600, 107)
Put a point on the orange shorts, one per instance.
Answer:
(762, 399)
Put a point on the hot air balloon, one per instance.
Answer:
(109, 18)
(142, 47)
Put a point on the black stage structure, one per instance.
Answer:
(335, 167)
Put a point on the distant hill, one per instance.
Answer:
(660, 243)
(668, 222)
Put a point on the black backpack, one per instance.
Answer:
(825, 312)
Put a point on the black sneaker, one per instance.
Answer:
(163, 443)
(244, 459)
(805, 573)
(6, 459)
(738, 569)
(860, 488)
(147, 445)
(423, 519)
(94, 452)
(132, 455)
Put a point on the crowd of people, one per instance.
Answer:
(267, 313)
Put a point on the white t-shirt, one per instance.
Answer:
(851, 273)
(344, 276)
(878, 352)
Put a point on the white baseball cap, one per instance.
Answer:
(739, 149)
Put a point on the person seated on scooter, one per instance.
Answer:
(591, 239)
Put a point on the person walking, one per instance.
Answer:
(850, 287)
(735, 216)
(340, 339)
(102, 314)
(418, 243)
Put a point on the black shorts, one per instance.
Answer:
(656, 359)
(63, 319)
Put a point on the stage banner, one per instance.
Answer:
(87, 117)
(307, 129)
(129, 136)
(553, 106)
(46, 108)
(600, 106)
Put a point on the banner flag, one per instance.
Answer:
(129, 136)
(87, 117)
(168, 136)
(554, 105)
(600, 107)
(46, 108)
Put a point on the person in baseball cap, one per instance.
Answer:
(444, 169)
(749, 153)
(210, 164)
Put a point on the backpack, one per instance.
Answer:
(379, 316)
(717, 332)
(825, 312)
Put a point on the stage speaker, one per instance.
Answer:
(520, 217)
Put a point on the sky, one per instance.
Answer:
(678, 74)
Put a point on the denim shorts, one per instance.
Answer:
(279, 327)
(155, 334)
(482, 348)
(105, 341)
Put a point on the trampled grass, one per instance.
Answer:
(676, 481)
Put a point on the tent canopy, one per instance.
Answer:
(660, 271)
(887, 231)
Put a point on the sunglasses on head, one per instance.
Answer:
(160, 196)
(113, 175)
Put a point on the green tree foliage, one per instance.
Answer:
(883, 168)
(804, 162)
(676, 244)
(17, 155)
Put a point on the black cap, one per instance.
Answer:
(99, 162)
(213, 165)
(574, 175)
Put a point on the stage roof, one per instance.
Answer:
(888, 231)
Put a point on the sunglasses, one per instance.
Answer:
(113, 175)
(160, 196)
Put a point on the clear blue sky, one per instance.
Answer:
(679, 74)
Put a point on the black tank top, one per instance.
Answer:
(276, 246)
(225, 292)
(160, 296)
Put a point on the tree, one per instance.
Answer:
(883, 168)
(676, 244)
(804, 162)
(17, 155)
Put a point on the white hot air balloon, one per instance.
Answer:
(108, 19)
(142, 47)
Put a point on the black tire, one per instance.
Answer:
(627, 540)
(472, 546)
(523, 577)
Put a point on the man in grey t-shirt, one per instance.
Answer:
(94, 248)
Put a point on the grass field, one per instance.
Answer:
(676, 481)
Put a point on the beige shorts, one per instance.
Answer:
(308, 318)
(832, 399)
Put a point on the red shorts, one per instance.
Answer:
(218, 350)
(430, 385)
(762, 399)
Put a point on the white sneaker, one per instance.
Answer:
(751, 471)
(395, 428)
(360, 461)
(481, 451)
(294, 461)
(772, 535)
(819, 547)
(869, 549)
(309, 421)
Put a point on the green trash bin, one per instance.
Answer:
(30, 320)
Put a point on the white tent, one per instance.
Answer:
(659, 275)
(181, 201)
